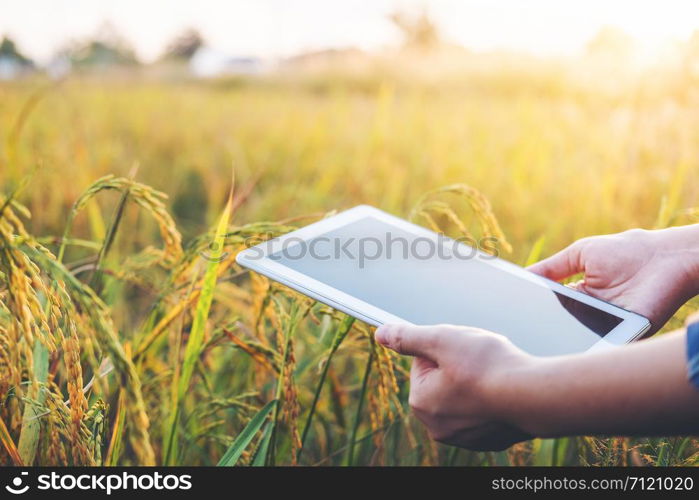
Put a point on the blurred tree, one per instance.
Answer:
(419, 31)
(184, 45)
(12, 62)
(107, 48)
(10, 52)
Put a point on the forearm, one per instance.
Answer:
(640, 389)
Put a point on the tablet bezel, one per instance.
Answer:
(257, 259)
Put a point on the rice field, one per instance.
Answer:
(128, 335)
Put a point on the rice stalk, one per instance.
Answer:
(144, 196)
(112, 230)
(116, 439)
(358, 414)
(78, 402)
(261, 354)
(480, 207)
(286, 328)
(97, 316)
(196, 335)
(340, 333)
(9, 445)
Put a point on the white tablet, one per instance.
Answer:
(382, 269)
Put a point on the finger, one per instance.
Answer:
(562, 265)
(490, 436)
(411, 340)
(577, 285)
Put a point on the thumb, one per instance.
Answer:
(562, 265)
(411, 340)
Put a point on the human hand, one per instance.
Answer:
(456, 379)
(649, 272)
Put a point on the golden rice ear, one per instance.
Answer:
(427, 208)
(79, 299)
(143, 195)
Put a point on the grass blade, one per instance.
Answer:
(31, 425)
(535, 252)
(196, 335)
(241, 442)
(260, 459)
(665, 449)
(206, 296)
(545, 452)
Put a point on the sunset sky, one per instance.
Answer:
(283, 27)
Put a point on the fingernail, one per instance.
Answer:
(381, 335)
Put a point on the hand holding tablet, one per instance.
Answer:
(651, 272)
(522, 363)
(382, 269)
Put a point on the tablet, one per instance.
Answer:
(383, 269)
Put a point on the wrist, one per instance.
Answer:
(520, 393)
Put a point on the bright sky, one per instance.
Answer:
(283, 27)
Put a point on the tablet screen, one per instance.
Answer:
(430, 283)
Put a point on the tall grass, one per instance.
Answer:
(126, 337)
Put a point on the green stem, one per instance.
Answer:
(340, 334)
(554, 452)
(108, 239)
(360, 406)
(316, 397)
(66, 234)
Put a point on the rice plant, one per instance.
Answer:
(129, 335)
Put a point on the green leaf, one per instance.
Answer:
(260, 459)
(245, 437)
(31, 425)
(535, 252)
(196, 335)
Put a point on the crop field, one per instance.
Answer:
(129, 335)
